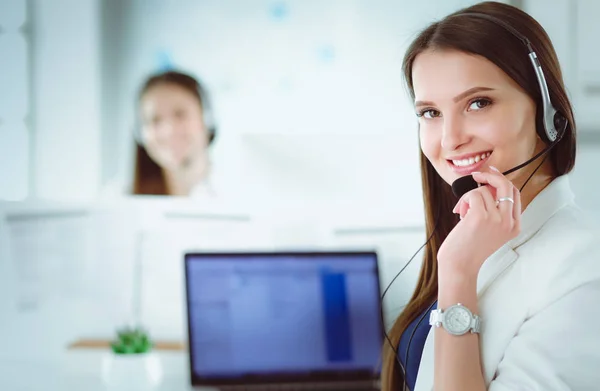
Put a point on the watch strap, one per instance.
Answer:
(436, 318)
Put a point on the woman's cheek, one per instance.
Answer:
(430, 145)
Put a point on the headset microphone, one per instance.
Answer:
(466, 183)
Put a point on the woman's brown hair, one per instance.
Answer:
(148, 175)
(479, 36)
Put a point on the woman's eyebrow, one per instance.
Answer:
(458, 97)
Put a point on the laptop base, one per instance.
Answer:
(354, 386)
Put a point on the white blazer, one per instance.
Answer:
(117, 189)
(539, 299)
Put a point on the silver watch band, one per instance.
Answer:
(437, 318)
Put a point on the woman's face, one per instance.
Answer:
(173, 126)
(471, 115)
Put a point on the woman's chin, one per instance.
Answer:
(175, 163)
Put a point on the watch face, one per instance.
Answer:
(457, 320)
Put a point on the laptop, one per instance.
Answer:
(284, 320)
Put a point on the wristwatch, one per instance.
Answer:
(456, 319)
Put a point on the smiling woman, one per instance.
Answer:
(507, 300)
(173, 138)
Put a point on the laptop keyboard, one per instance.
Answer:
(356, 386)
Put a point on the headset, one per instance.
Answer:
(554, 126)
(207, 115)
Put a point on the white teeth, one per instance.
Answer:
(471, 160)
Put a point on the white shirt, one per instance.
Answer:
(539, 299)
(205, 189)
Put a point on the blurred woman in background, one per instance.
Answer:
(175, 131)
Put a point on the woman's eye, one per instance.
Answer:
(429, 113)
(479, 104)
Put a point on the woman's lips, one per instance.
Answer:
(467, 164)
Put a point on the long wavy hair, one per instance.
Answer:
(462, 32)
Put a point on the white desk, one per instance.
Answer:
(81, 370)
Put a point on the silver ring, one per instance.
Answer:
(504, 199)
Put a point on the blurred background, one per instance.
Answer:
(317, 147)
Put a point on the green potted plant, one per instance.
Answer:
(131, 363)
(131, 340)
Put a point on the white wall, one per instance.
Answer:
(66, 98)
(584, 178)
(14, 101)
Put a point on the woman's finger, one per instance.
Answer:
(475, 203)
(462, 207)
(495, 179)
(488, 199)
(503, 189)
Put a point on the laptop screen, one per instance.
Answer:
(277, 317)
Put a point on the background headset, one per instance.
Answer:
(554, 127)
(207, 114)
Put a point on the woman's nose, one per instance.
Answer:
(453, 134)
(166, 129)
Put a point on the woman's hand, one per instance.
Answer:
(484, 227)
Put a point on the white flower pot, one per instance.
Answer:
(131, 372)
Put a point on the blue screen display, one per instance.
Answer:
(270, 314)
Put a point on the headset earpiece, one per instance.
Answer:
(560, 124)
(207, 113)
(551, 125)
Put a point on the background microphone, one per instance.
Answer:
(467, 183)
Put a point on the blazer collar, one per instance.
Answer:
(554, 197)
